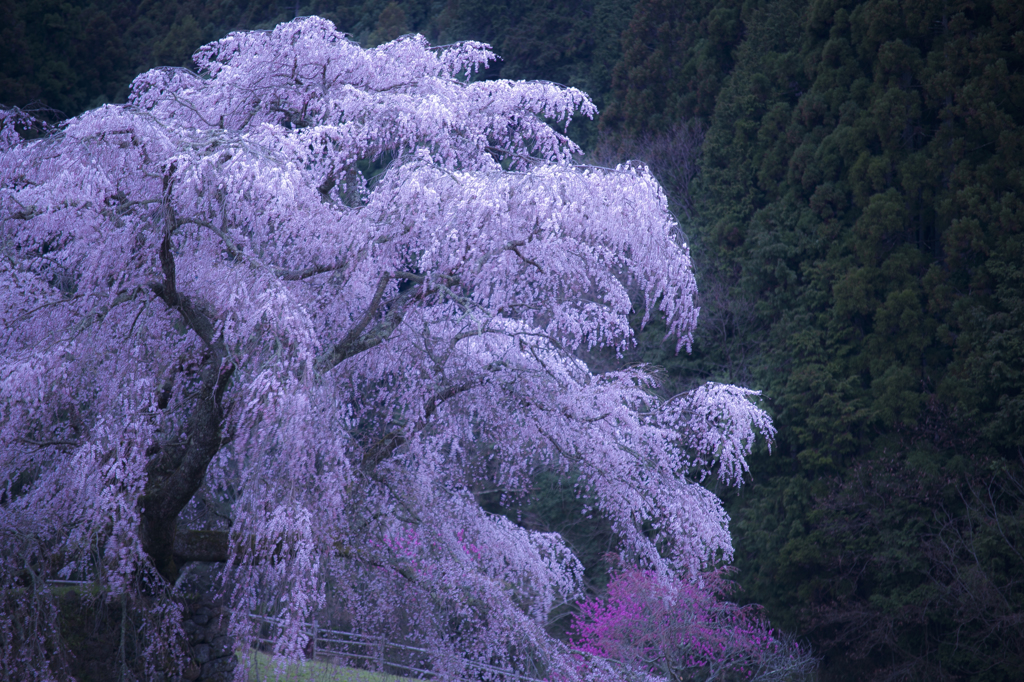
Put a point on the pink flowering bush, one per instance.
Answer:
(684, 630)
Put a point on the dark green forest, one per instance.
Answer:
(849, 175)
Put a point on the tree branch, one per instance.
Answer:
(304, 273)
(444, 395)
(514, 248)
(288, 274)
(48, 443)
(355, 342)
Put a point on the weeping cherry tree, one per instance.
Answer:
(356, 287)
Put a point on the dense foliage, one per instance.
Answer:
(217, 285)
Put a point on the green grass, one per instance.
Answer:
(263, 668)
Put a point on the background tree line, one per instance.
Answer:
(848, 173)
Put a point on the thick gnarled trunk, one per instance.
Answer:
(176, 470)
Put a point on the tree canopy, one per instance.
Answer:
(351, 290)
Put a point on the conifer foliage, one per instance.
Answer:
(352, 287)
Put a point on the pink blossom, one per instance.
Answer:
(683, 629)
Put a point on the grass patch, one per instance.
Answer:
(263, 668)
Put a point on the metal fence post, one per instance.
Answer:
(316, 636)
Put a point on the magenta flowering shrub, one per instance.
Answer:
(208, 287)
(684, 630)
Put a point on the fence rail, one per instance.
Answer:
(413, 661)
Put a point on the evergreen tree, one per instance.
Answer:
(862, 170)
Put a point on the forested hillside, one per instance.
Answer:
(861, 195)
(850, 176)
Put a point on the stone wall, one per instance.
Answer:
(91, 626)
(206, 624)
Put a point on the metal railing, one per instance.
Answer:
(358, 650)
